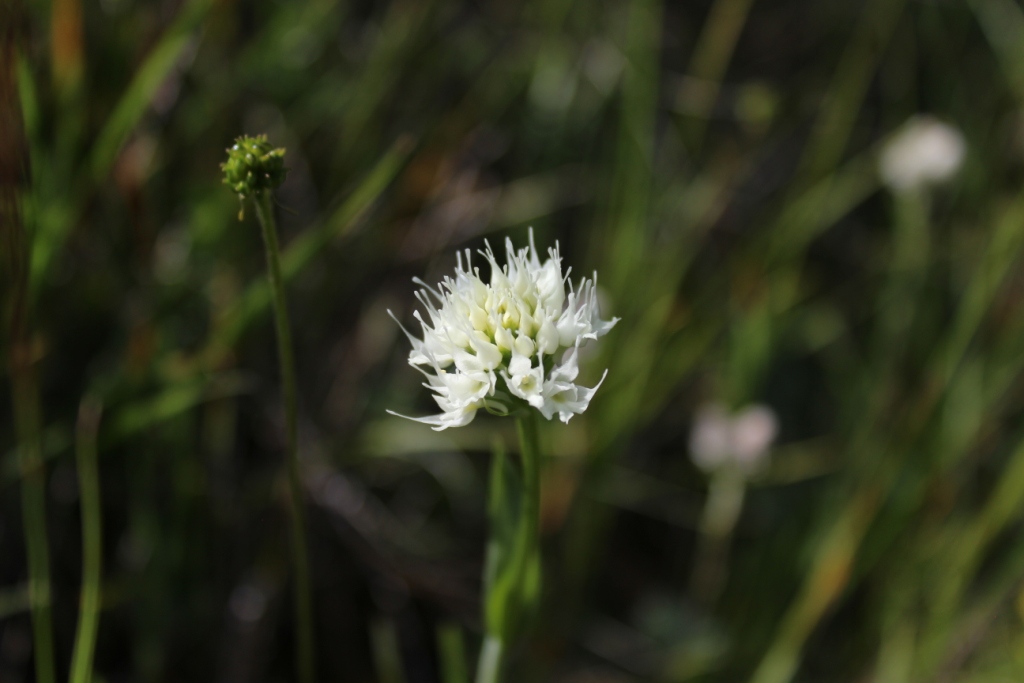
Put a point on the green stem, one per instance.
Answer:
(721, 512)
(492, 655)
(452, 653)
(529, 529)
(92, 544)
(300, 553)
(907, 270)
(28, 430)
(528, 541)
(491, 661)
(33, 510)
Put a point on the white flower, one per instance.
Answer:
(742, 440)
(924, 151)
(512, 328)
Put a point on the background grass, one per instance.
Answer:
(715, 161)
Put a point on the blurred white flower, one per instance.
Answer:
(720, 439)
(924, 151)
(512, 328)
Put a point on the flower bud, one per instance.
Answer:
(253, 166)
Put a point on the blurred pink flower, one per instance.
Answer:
(742, 439)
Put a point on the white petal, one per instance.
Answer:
(547, 337)
(443, 421)
(711, 437)
(525, 346)
(567, 399)
(569, 368)
(753, 431)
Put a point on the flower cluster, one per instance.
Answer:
(741, 440)
(923, 152)
(512, 328)
(253, 166)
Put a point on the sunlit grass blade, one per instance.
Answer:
(403, 28)
(827, 579)
(628, 216)
(1002, 251)
(151, 74)
(807, 214)
(846, 93)
(712, 54)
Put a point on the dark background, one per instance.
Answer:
(715, 162)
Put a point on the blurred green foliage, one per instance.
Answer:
(715, 162)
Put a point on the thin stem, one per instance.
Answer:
(92, 543)
(908, 264)
(529, 530)
(27, 411)
(304, 652)
(33, 510)
(452, 653)
(491, 661)
(527, 541)
(721, 512)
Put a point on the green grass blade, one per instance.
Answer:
(147, 80)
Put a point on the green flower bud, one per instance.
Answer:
(253, 166)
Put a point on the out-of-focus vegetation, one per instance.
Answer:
(715, 161)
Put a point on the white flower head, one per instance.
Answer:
(720, 439)
(923, 152)
(514, 338)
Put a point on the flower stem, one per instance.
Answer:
(524, 553)
(491, 661)
(528, 550)
(92, 543)
(907, 272)
(721, 512)
(529, 450)
(304, 652)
